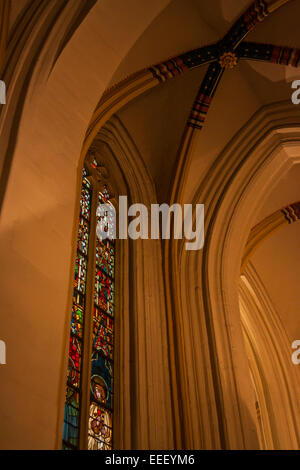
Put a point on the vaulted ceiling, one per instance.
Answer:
(156, 120)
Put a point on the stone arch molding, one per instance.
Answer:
(280, 218)
(202, 289)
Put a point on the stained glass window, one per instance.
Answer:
(101, 393)
(73, 393)
(93, 305)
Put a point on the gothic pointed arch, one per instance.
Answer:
(140, 339)
(255, 158)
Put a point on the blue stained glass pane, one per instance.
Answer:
(71, 418)
(101, 374)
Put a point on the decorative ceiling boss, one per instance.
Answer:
(228, 60)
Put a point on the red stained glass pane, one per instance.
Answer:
(104, 292)
(105, 257)
(103, 333)
(74, 362)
